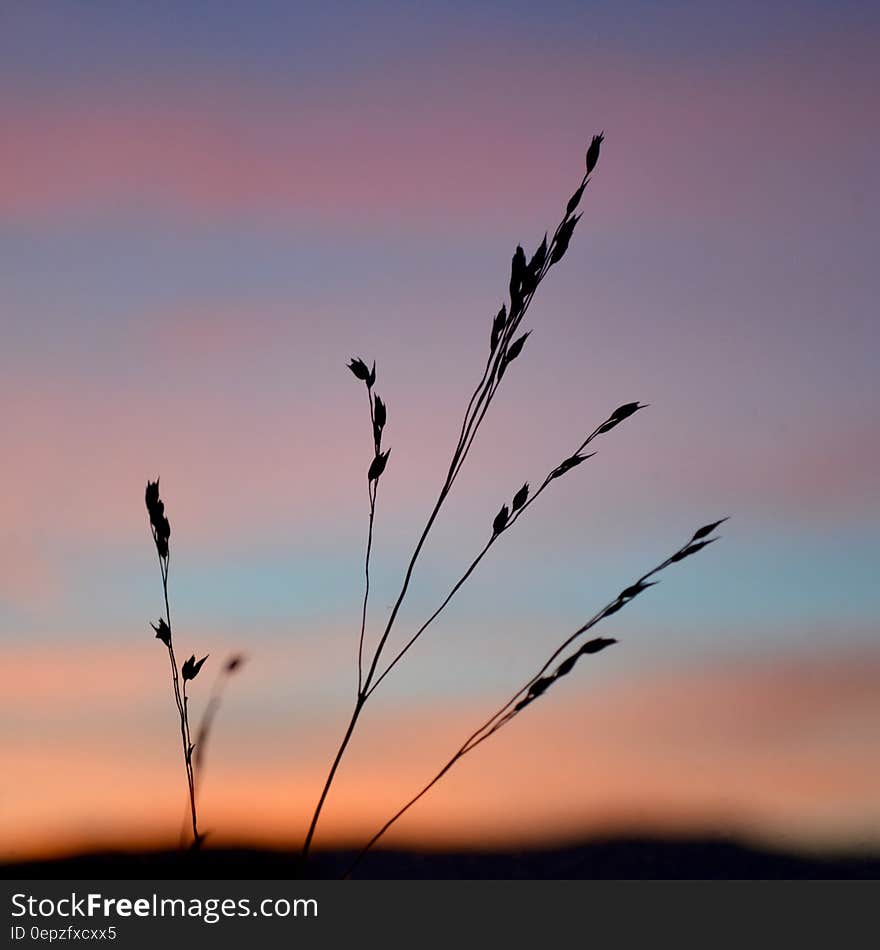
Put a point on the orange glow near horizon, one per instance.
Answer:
(683, 752)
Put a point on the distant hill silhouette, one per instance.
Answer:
(612, 858)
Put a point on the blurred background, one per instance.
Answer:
(206, 210)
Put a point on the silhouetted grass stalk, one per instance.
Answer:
(505, 345)
(206, 724)
(161, 531)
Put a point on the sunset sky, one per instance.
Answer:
(206, 209)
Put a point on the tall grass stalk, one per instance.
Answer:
(230, 667)
(180, 676)
(506, 343)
